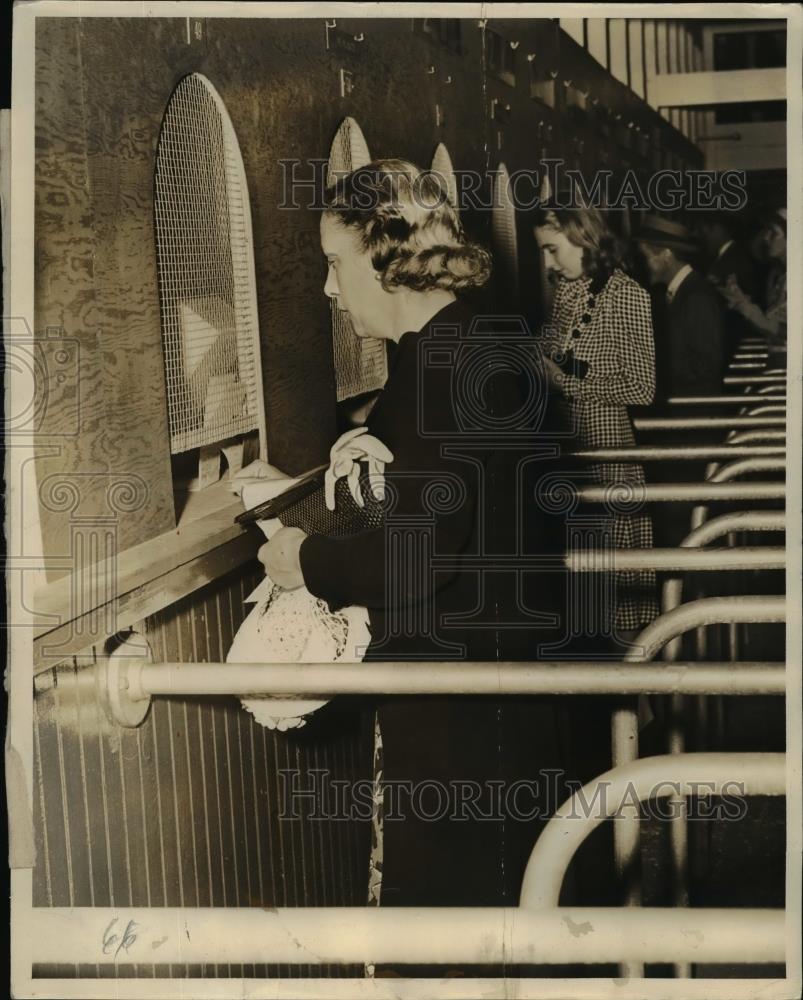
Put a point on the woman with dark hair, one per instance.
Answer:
(599, 353)
(397, 261)
(772, 320)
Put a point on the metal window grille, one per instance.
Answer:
(442, 167)
(360, 362)
(205, 264)
(503, 230)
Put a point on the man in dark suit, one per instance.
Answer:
(689, 327)
(689, 354)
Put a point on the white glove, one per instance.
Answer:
(344, 458)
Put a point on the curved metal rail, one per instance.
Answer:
(607, 796)
(624, 721)
(729, 472)
(725, 524)
(709, 531)
(705, 611)
(760, 411)
(749, 437)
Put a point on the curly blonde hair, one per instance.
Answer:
(401, 216)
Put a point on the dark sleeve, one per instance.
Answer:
(346, 571)
(704, 321)
(746, 275)
(390, 566)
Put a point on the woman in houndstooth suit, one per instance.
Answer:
(599, 351)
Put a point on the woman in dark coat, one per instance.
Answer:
(397, 260)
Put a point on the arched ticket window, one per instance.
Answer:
(503, 232)
(360, 362)
(442, 166)
(207, 290)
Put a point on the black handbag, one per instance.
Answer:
(303, 506)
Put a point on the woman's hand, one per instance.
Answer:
(281, 558)
(733, 295)
(350, 448)
(553, 373)
(256, 472)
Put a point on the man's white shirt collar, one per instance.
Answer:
(677, 281)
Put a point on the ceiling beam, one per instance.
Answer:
(678, 90)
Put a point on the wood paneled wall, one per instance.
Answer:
(185, 810)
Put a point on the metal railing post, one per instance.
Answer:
(647, 645)
(763, 774)
(758, 774)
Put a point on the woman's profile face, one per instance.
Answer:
(775, 241)
(560, 254)
(351, 280)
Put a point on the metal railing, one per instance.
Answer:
(659, 776)
(705, 611)
(624, 722)
(682, 560)
(612, 794)
(683, 492)
(769, 404)
(729, 472)
(762, 379)
(724, 524)
(704, 423)
(749, 437)
(539, 931)
(407, 935)
(126, 683)
(652, 453)
(716, 400)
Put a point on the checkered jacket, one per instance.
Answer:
(616, 344)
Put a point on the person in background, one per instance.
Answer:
(690, 335)
(726, 260)
(598, 348)
(723, 254)
(771, 320)
(689, 348)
